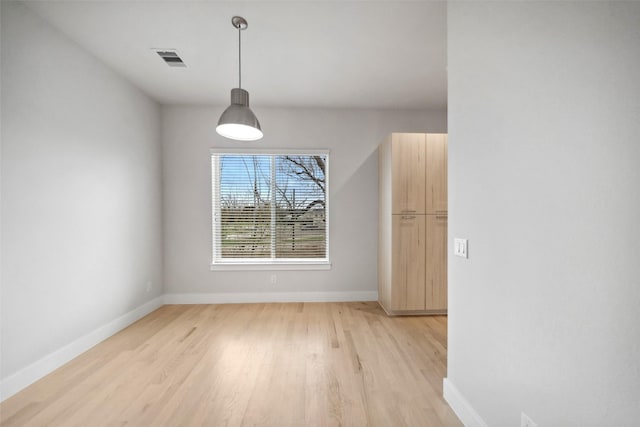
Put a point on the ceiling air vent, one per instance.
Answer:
(171, 57)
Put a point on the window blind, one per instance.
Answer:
(269, 207)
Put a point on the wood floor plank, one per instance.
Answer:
(300, 364)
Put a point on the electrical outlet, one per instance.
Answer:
(149, 286)
(274, 279)
(525, 421)
(460, 247)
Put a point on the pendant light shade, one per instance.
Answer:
(238, 121)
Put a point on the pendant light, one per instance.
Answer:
(238, 121)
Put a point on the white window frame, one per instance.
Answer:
(265, 263)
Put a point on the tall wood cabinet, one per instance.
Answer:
(412, 240)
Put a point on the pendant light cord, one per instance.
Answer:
(239, 57)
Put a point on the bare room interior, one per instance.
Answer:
(310, 213)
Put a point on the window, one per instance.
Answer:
(270, 209)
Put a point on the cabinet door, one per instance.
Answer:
(436, 185)
(436, 262)
(408, 269)
(408, 163)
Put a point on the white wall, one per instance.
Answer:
(81, 192)
(544, 149)
(351, 135)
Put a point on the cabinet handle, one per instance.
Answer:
(441, 214)
(408, 210)
(408, 216)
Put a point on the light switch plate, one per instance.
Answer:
(460, 247)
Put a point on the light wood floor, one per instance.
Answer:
(251, 364)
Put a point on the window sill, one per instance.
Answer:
(270, 266)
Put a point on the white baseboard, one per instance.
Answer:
(30, 374)
(461, 406)
(231, 298)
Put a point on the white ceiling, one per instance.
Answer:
(339, 54)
